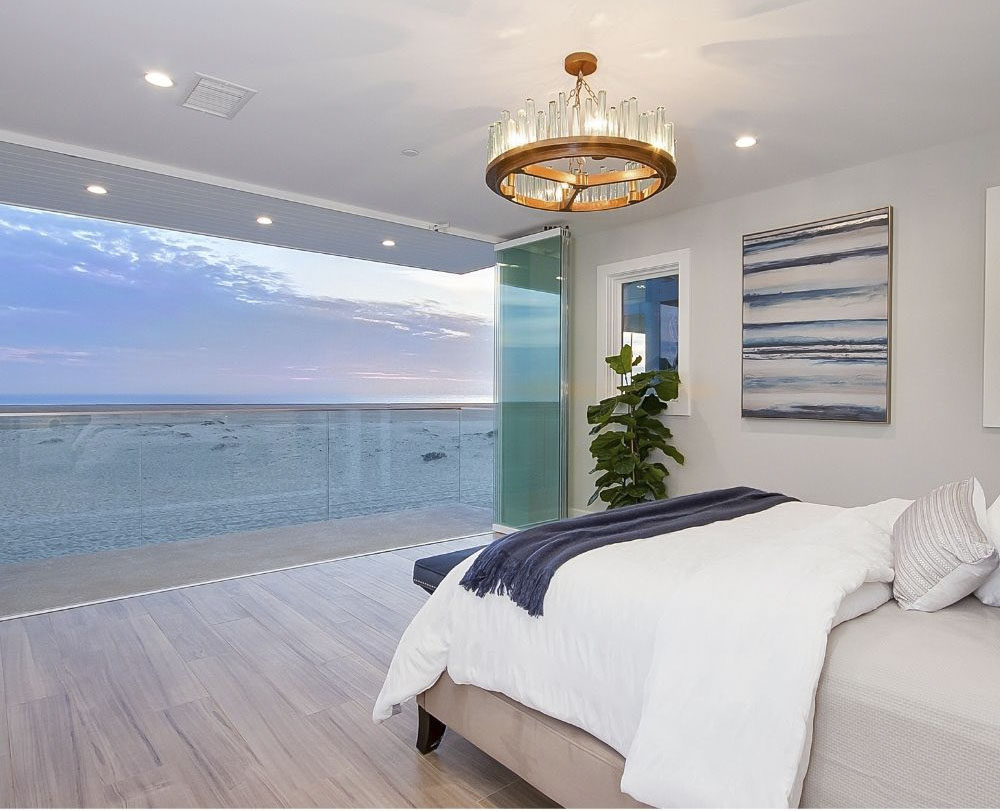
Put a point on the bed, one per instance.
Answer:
(877, 709)
(886, 733)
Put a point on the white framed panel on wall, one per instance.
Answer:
(991, 335)
(656, 290)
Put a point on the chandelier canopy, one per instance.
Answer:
(578, 154)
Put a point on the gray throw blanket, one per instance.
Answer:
(522, 564)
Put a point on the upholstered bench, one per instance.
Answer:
(429, 572)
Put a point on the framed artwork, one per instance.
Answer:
(991, 348)
(645, 303)
(816, 319)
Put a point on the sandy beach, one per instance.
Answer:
(84, 483)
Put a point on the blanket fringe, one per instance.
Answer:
(497, 572)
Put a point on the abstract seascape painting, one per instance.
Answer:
(816, 305)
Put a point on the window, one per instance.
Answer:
(101, 312)
(649, 320)
(644, 303)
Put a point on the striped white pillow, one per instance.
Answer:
(989, 592)
(941, 552)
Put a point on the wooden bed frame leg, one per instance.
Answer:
(430, 731)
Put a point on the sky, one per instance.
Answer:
(93, 311)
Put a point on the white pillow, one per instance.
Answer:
(989, 592)
(940, 549)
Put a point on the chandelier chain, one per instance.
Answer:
(575, 92)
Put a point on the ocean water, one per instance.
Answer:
(83, 483)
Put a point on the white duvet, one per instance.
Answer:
(695, 655)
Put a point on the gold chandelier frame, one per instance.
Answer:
(649, 169)
(530, 158)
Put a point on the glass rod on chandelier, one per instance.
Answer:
(526, 126)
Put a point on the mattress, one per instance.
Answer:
(908, 711)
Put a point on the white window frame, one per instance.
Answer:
(611, 278)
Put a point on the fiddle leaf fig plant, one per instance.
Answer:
(627, 430)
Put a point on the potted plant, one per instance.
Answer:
(627, 430)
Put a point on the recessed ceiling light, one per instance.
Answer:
(388, 243)
(409, 152)
(159, 79)
(264, 220)
(745, 141)
(94, 188)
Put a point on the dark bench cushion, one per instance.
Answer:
(429, 572)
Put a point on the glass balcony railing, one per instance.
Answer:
(78, 483)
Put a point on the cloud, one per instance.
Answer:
(12, 309)
(103, 274)
(369, 375)
(20, 354)
(386, 321)
(147, 311)
(443, 332)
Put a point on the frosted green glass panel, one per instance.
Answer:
(531, 418)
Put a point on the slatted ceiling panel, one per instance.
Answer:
(217, 97)
(38, 178)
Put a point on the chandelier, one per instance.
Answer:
(578, 154)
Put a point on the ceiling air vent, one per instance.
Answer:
(217, 97)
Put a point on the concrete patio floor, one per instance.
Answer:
(60, 582)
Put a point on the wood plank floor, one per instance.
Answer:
(254, 692)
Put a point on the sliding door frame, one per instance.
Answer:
(563, 233)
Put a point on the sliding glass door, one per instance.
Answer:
(531, 368)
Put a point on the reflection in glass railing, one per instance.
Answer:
(80, 483)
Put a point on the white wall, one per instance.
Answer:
(936, 434)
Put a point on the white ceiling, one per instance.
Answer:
(345, 84)
(56, 182)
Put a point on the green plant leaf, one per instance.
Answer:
(626, 429)
(651, 404)
(608, 478)
(600, 413)
(666, 389)
(625, 465)
(652, 425)
(674, 454)
(607, 440)
(616, 365)
(622, 362)
(610, 493)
